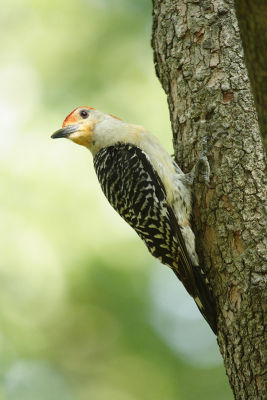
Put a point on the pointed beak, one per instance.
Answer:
(66, 131)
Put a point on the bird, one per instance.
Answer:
(148, 189)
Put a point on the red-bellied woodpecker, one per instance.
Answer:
(148, 189)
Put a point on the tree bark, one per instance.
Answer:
(252, 20)
(199, 61)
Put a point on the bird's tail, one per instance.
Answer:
(204, 298)
(207, 304)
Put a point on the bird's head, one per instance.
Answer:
(95, 130)
(81, 125)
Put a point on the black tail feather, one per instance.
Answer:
(206, 305)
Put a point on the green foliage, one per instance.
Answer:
(75, 287)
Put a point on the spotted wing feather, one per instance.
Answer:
(136, 192)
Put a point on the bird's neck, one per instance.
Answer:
(111, 131)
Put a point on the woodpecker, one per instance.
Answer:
(148, 189)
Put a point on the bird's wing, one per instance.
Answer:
(136, 192)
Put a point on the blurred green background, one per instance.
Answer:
(85, 311)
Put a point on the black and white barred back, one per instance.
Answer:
(136, 192)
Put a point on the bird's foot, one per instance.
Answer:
(201, 170)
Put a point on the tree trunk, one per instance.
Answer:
(199, 61)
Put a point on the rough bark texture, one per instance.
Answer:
(199, 61)
(252, 20)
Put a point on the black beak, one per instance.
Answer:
(65, 132)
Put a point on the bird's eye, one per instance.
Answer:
(84, 114)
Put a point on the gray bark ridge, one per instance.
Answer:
(199, 61)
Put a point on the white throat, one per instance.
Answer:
(110, 131)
